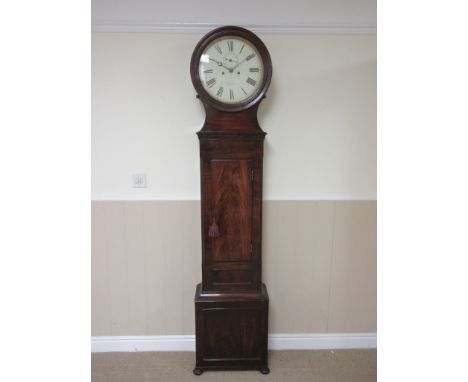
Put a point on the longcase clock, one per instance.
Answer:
(231, 71)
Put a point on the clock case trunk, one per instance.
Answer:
(231, 303)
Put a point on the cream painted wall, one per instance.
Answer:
(320, 116)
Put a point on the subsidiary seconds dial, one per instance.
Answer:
(231, 70)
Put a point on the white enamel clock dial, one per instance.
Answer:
(231, 70)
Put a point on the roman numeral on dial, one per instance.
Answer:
(208, 71)
(218, 49)
(211, 82)
(254, 70)
(251, 81)
(250, 56)
(231, 94)
(230, 45)
(244, 91)
(240, 51)
(220, 92)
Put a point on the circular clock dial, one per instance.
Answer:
(231, 70)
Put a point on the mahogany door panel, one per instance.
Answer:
(231, 182)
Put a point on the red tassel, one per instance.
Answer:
(214, 229)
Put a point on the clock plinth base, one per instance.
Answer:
(231, 330)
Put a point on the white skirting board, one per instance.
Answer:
(275, 342)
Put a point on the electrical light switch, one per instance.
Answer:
(139, 180)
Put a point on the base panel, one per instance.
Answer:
(231, 331)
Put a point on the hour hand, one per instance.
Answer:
(221, 64)
(218, 62)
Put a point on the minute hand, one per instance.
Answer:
(245, 59)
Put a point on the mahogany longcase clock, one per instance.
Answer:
(231, 71)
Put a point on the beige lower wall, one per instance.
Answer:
(319, 264)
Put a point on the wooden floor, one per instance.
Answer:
(285, 365)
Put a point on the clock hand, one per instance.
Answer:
(221, 64)
(218, 62)
(239, 63)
